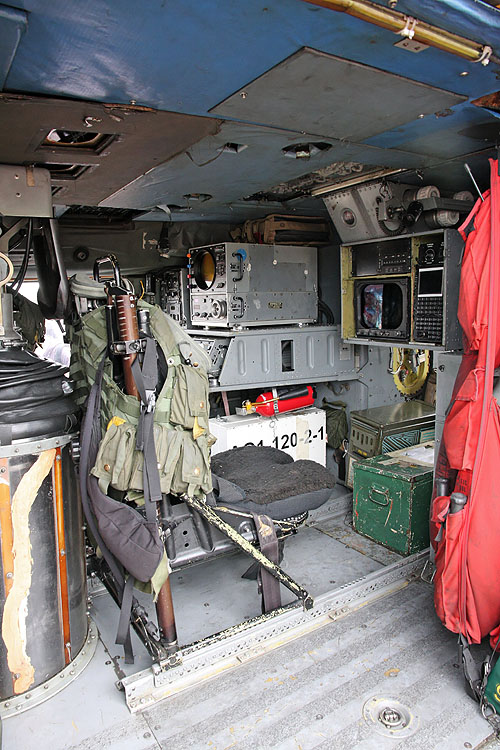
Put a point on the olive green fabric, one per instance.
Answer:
(190, 398)
(30, 320)
(336, 422)
(181, 460)
(182, 440)
(181, 414)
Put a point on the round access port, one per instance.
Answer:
(204, 269)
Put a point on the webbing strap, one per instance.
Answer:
(123, 632)
(268, 540)
(146, 379)
(472, 672)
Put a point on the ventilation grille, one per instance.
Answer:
(400, 440)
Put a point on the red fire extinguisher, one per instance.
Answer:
(280, 400)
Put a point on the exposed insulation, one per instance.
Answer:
(16, 603)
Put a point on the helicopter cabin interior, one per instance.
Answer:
(273, 192)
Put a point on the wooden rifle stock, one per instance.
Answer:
(128, 330)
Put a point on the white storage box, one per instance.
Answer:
(301, 433)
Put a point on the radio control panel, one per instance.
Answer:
(403, 290)
(233, 285)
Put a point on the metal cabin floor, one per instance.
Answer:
(307, 694)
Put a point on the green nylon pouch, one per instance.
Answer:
(181, 461)
(336, 422)
(190, 397)
(115, 457)
(194, 469)
(30, 320)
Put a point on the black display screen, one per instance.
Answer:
(430, 282)
(382, 306)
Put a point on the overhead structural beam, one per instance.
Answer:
(412, 28)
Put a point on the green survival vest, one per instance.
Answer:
(182, 438)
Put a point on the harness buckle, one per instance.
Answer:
(150, 401)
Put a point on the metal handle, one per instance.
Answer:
(375, 490)
(111, 259)
(240, 270)
(242, 311)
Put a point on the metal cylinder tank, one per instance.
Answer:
(42, 566)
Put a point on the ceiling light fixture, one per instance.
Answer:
(305, 150)
(201, 197)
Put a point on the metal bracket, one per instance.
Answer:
(10, 233)
(428, 572)
(123, 348)
(25, 191)
(159, 668)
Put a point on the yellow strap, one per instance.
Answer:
(116, 421)
(197, 430)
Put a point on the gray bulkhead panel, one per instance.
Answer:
(447, 366)
(260, 357)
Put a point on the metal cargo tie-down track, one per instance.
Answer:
(238, 644)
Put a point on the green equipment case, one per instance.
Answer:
(388, 428)
(492, 691)
(391, 500)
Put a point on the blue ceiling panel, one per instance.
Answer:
(187, 57)
(184, 56)
(441, 135)
(13, 24)
(339, 98)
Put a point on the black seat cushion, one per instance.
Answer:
(266, 480)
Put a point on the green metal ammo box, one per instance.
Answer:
(391, 500)
(389, 428)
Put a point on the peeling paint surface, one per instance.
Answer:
(16, 603)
